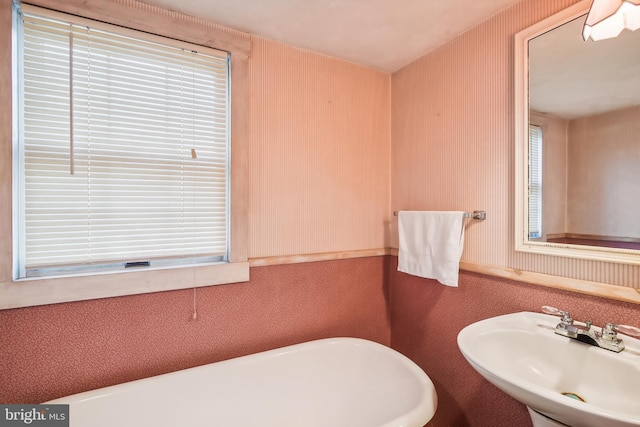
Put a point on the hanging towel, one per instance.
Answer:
(431, 244)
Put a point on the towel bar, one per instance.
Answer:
(479, 215)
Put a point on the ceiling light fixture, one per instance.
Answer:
(608, 18)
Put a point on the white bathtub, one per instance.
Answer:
(330, 383)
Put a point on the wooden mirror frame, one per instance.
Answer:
(522, 242)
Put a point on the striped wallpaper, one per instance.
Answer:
(319, 153)
(453, 143)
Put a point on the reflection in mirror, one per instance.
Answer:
(580, 143)
(583, 103)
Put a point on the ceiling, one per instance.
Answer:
(382, 34)
(571, 78)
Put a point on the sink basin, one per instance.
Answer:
(520, 354)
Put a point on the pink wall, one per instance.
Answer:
(426, 318)
(590, 165)
(453, 149)
(452, 143)
(56, 350)
(603, 174)
(318, 182)
(318, 155)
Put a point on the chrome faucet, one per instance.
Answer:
(606, 337)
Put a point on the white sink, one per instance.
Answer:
(520, 354)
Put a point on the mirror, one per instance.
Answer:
(577, 141)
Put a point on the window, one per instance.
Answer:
(122, 149)
(210, 244)
(535, 182)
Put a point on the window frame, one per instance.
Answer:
(535, 182)
(135, 16)
(59, 29)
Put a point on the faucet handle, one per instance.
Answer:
(566, 317)
(631, 331)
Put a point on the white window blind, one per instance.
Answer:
(535, 181)
(123, 149)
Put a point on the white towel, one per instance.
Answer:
(431, 244)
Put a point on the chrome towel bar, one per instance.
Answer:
(478, 215)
